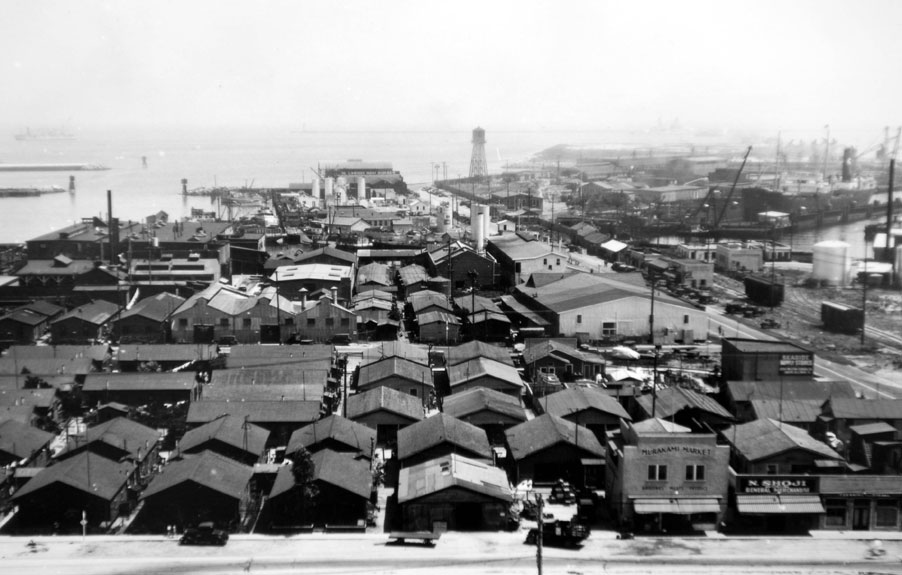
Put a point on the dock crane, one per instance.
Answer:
(710, 196)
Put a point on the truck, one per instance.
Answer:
(559, 533)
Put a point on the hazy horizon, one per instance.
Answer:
(413, 66)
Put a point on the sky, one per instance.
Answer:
(418, 65)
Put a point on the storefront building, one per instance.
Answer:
(661, 477)
(774, 503)
(861, 502)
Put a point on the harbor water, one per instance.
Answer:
(243, 157)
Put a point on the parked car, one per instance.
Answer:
(204, 534)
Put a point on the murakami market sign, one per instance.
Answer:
(777, 484)
(677, 449)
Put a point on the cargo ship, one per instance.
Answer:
(44, 135)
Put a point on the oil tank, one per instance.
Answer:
(361, 188)
(315, 189)
(832, 262)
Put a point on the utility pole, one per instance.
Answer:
(864, 291)
(540, 505)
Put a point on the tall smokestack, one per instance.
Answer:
(185, 186)
(113, 231)
(889, 216)
(329, 185)
(71, 184)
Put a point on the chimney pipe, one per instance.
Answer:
(185, 186)
(71, 184)
(334, 294)
(113, 232)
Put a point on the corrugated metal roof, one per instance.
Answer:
(97, 312)
(139, 381)
(789, 411)
(103, 478)
(260, 412)
(455, 471)
(232, 431)
(483, 367)
(475, 349)
(672, 400)
(846, 408)
(797, 390)
(391, 367)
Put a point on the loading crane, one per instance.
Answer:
(710, 196)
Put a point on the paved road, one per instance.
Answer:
(455, 553)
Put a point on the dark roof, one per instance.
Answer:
(412, 274)
(391, 367)
(477, 303)
(461, 405)
(21, 440)
(229, 430)
(797, 390)
(42, 398)
(764, 438)
(344, 470)
(787, 410)
(260, 412)
(672, 400)
(328, 251)
(425, 299)
(439, 429)
(537, 349)
(336, 428)
(375, 273)
(462, 373)
(44, 308)
(845, 408)
(453, 471)
(539, 279)
(25, 316)
(872, 428)
(140, 381)
(475, 349)
(207, 469)
(154, 308)
(437, 316)
(55, 267)
(184, 352)
(577, 399)
(764, 346)
(123, 434)
(387, 399)
(100, 477)
(547, 431)
(97, 312)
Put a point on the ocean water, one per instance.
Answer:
(207, 157)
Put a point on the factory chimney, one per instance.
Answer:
(112, 228)
(315, 189)
(71, 184)
(361, 188)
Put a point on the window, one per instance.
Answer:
(413, 391)
(289, 321)
(545, 261)
(311, 322)
(183, 322)
(686, 318)
(547, 369)
(836, 513)
(609, 328)
(695, 473)
(345, 322)
(657, 473)
(224, 322)
(771, 469)
(887, 514)
(330, 322)
(246, 323)
(558, 261)
(579, 318)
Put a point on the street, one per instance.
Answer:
(454, 553)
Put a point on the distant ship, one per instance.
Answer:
(55, 134)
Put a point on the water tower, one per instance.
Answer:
(478, 167)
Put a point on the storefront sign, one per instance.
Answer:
(796, 364)
(677, 449)
(776, 484)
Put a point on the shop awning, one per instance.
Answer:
(772, 503)
(678, 506)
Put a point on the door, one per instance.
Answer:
(861, 515)
(203, 334)
(269, 334)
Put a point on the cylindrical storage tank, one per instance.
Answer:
(361, 188)
(315, 189)
(329, 184)
(477, 229)
(832, 262)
